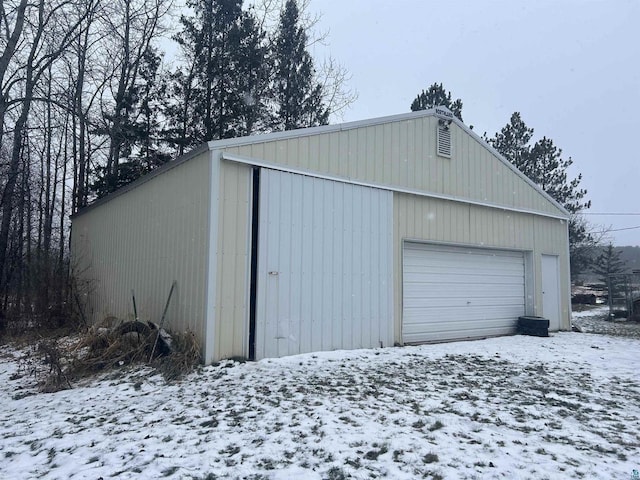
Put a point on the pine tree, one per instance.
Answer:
(298, 95)
(219, 92)
(542, 162)
(436, 96)
(254, 79)
(513, 143)
(608, 266)
(140, 149)
(149, 148)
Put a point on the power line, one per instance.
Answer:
(628, 228)
(618, 229)
(600, 213)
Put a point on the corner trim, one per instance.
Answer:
(211, 268)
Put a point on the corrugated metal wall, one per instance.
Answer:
(143, 240)
(403, 154)
(234, 241)
(441, 221)
(551, 238)
(324, 266)
(159, 230)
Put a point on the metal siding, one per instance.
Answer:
(551, 238)
(402, 154)
(143, 239)
(551, 290)
(369, 154)
(330, 244)
(233, 248)
(425, 219)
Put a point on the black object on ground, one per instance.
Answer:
(531, 325)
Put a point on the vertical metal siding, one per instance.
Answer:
(551, 239)
(143, 239)
(551, 290)
(324, 266)
(233, 249)
(403, 154)
(432, 220)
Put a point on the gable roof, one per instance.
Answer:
(437, 112)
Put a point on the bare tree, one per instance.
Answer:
(132, 27)
(41, 33)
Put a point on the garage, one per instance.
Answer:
(392, 230)
(452, 292)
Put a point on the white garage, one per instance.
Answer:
(452, 292)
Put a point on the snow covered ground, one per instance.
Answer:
(516, 407)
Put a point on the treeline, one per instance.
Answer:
(88, 104)
(631, 257)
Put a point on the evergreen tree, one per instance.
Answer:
(140, 148)
(254, 81)
(513, 143)
(608, 265)
(436, 96)
(147, 125)
(219, 91)
(298, 95)
(549, 170)
(542, 162)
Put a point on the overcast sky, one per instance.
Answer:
(571, 67)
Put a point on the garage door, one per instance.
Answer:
(454, 293)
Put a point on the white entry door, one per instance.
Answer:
(551, 291)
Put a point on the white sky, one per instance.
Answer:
(571, 67)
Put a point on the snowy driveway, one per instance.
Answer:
(567, 406)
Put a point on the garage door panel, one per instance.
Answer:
(418, 303)
(457, 325)
(510, 270)
(465, 279)
(461, 314)
(490, 269)
(463, 264)
(462, 333)
(460, 292)
(458, 250)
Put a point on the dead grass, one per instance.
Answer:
(57, 361)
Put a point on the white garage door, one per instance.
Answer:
(454, 293)
(324, 266)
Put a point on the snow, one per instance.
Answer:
(600, 311)
(517, 407)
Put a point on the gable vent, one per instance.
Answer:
(444, 139)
